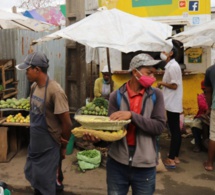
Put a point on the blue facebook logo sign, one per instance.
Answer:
(193, 5)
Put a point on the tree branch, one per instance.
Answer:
(35, 4)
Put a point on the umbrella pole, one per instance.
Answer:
(91, 81)
(108, 61)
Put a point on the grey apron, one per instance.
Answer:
(43, 153)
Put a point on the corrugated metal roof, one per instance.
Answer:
(7, 39)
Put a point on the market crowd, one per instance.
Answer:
(131, 160)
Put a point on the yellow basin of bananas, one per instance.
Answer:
(100, 122)
(101, 134)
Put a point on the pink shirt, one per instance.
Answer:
(202, 105)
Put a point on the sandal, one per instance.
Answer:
(208, 167)
(169, 163)
(176, 160)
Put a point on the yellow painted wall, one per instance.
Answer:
(191, 87)
(152, 8)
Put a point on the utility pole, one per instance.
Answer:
(75, 59)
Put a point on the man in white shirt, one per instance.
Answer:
(173, 93)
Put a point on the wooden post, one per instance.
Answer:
(109, 69)
(76, 82)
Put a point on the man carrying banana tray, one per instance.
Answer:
(132, 160)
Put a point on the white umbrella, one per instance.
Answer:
(11, 20)
(118, 30)
(198, 36)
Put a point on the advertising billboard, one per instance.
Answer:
(195, 11)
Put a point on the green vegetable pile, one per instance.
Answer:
(15, 103)
(99, 106)
(90, 153)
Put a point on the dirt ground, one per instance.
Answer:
(188, 178)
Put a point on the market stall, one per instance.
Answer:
(15, 118)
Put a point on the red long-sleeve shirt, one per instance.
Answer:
(135, 100)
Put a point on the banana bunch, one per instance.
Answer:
(105, 135)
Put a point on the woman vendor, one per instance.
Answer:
(102, 87)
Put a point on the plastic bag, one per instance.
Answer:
(70, 145)
(1, 191)
(7, 192)
(85, 165)
(89, 159)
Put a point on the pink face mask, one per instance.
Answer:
(146, 81)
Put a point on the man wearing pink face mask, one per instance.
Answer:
(132, 160)
(173, 93)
